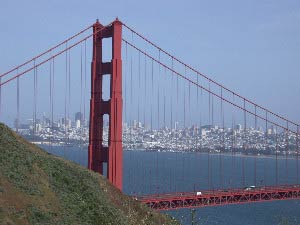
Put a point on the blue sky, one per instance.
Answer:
(252, 47)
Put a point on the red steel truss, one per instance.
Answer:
(112, 154)
(220, 197)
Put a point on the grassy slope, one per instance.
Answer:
(38, 188)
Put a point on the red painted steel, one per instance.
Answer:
(220, 197)
(99, 154)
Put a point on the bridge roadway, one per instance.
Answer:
(197, 199)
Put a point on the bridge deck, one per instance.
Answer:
(179, 200)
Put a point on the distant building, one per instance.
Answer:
(203, 132)
(77, 124)
(78, 116)
(238, 127)
(269, 131)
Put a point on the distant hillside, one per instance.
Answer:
(39, 188)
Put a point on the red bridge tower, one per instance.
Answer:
(97, 153)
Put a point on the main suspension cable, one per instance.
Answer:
(204, 88)
(206, 77)
(45, 52)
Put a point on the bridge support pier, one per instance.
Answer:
(97, 153)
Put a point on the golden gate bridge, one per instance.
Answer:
(133, 79)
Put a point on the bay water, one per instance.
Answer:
(150, 172)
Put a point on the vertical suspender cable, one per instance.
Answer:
(189, 101)
(200, 122)
(145, 91)
(201, 117)
(244, 143)
(18, 103)
(158, 122)
(36, 93)
(131, 98)
(34, 97)
(69, 95)
(172, 95)
(165, 78)
(208, 153)
(198, 127)
(222, 146)
(81, 93)
(152, 94)
(212, 123)
(297, 146)
(176, 115)
(209, 101)
(131, 95)
(125, 84)
(286, 153)
(144, 109)
(156, 178)
(185, 128)
(177, 100)
(66, 91)
(232, 147)
(50, 103)
(139, 88)
(212, 110)
(84, 92)
(266, 147)
(158, 94)
(276, 155)
(255, 158)
(184, 108)
(197, 102)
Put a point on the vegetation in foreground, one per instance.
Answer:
(39, 188)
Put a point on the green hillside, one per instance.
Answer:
(39, 188)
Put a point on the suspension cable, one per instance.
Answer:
(66, 95)
(18, 104)
(165, 78)
(85, 77)
(244, 145)
(286, 153)
(139, 87)
(152, 94)
(255, 158)
(81, 93)
(204, 88)
(222, 146)
(50, 58)
(206, 77)
(233, 146)
(34, 99)
(172, 71)
(45, 52)
(50, 104)
(297, 146)
(266, 148)
(158, 95)
(276, 155)
(145, 90)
